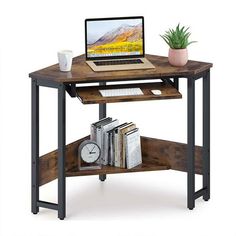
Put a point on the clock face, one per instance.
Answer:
(90, 152)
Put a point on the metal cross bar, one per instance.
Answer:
(48, 205)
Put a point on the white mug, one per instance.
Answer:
(65, 60)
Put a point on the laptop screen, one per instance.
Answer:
(114, 37)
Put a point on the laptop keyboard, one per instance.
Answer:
(117, 62)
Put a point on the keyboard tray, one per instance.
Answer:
(91, 94)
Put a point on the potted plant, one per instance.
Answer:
(178, 40)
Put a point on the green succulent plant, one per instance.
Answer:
(177, 38)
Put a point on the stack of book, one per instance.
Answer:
(119, 143)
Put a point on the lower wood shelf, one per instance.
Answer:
(145, 166)
(157, 155)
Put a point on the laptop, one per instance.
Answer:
(114, 44)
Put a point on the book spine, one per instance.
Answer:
(120, 149)
(116, 147)
(99, 141)
(122, 146)
(110, 149)
(124, 152)
(92, 133)
(105, 148)
(133, 149)
(105, 130)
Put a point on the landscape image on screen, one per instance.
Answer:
(114, 37)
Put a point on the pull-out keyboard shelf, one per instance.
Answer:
(91, 94)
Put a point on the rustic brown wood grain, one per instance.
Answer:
(91, 95)
(82, 73)
(171, 153)
(157, 155)
(145, 166)
(48, 162)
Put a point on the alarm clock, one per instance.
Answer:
(89, 155)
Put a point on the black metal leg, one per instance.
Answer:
(176, 83)
(102, 114)
(191, 143)
(35, 148)
(206, 135)
(102, 107)
(61, 152)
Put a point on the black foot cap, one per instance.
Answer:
(35, 213)
(102, 178)
(61, 218)
(190, 208)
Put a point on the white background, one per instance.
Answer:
(154, 203)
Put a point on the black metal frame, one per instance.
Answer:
(191, 141)
(36, 203)
(205, 190)
(61, 151)
(62, 88)
(35, 147)
(102, 114)
(206, 135)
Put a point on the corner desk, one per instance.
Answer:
(157, 154)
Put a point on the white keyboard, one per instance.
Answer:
(121, 92)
